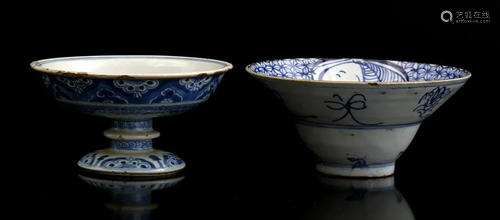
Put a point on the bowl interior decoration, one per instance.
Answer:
(358, 115)
(131, 90)
(355, 70)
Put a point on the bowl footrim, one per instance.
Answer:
(367, 171)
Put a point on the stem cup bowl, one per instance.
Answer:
(131, 90)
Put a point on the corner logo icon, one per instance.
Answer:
(448, 18)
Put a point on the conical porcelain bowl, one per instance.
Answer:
(357, 115)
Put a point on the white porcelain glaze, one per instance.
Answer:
(132, 66)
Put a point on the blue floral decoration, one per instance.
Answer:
(360, 70)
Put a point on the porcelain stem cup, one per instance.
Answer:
(131, 90)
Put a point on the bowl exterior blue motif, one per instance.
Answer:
(131, 98)
(358, 116)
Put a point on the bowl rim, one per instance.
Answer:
(330, 82)
(37, 65)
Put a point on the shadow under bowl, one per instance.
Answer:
(353, 199)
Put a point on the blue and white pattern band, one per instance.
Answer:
(122, 97)
(132, 145)
(132, 125)
(358, 70)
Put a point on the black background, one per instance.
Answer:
(244, 157)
